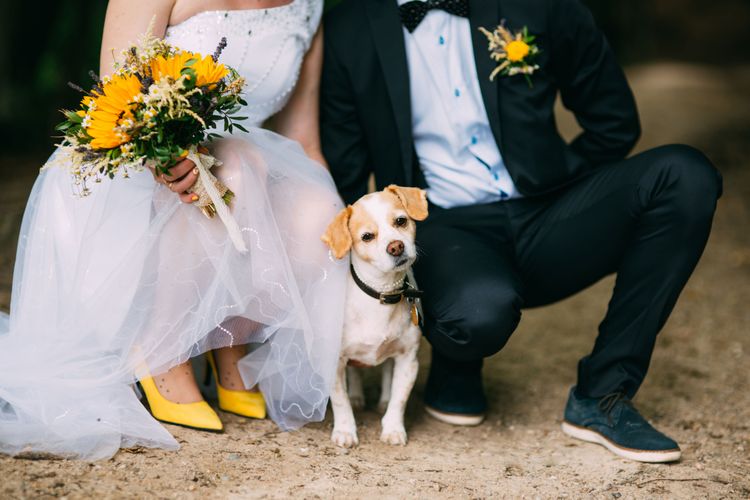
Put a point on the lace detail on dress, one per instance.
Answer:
(266, 46)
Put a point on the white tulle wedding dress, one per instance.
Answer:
(129, 281)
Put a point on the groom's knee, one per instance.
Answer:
(694, 182)
(476, 330)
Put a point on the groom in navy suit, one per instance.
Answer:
(518, 217)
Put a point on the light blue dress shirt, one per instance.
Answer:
(457, 152)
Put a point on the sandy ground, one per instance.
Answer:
(697, 390)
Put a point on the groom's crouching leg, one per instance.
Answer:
(471, 306)
(476, 327)
(676, 198)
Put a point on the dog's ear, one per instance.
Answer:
(337, 236)
(414, 200)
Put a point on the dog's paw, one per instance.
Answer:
(345, 439)
(394, 436)
(357, 402)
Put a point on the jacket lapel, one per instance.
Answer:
(486, 13)
(388, 37)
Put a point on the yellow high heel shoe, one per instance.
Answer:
(194, 415)
(242, 403)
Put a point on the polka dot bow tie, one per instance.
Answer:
(413, 12)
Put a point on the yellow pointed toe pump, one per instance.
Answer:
(194, 415)
(243, 403)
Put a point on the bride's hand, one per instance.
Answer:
(181, 177)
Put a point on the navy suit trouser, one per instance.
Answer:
(646, 218)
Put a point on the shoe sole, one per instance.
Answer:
(185, 426)
(649, 456)
(460, 419)
(241, 415)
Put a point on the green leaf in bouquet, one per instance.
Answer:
(73, 116)
(192, 77)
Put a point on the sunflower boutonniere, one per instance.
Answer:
(514, 52)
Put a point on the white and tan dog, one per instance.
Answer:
(381, 318)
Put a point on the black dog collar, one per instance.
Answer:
(407, 291)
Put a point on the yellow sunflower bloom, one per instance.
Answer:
(169, 66)
(112, 106)
(86, 102)
(206, 69)
(516, 50)
(209, 71)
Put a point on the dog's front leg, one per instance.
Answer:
(344, 427)
(405, 369)
(354, 388)
(385, 385)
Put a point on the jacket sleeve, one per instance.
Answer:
(592, 85)
(342, 137)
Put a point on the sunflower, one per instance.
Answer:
(207, 71)
(108, 109)
(170, 66)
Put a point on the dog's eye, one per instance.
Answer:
(400, 221)
(367, 236)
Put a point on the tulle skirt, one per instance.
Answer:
(128, 282)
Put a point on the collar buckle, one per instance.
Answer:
(390, 298)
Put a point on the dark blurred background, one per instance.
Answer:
(44, 44)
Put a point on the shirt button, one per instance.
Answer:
(474, 139)
(441, 40)
(457, 93)
(503, 195)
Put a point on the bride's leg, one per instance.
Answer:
(164, 334)
(226, 364)
(178, 384)
(240, 329)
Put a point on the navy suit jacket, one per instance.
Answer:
(366, 110)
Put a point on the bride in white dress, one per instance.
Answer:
(131, 282)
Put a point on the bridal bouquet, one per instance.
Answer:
(157, 107)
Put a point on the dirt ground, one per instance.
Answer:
(697, 390)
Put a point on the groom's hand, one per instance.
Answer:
(181, 177)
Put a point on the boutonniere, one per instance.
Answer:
(514, 52)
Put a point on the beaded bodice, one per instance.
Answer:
(266, 46)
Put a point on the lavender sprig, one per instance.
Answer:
(222, 45)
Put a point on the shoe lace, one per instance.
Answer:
(610, 401)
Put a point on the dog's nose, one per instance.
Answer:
(395, 248)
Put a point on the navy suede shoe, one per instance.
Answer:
(454, 392)
(613, 422)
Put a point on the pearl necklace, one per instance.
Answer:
(391, 287)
